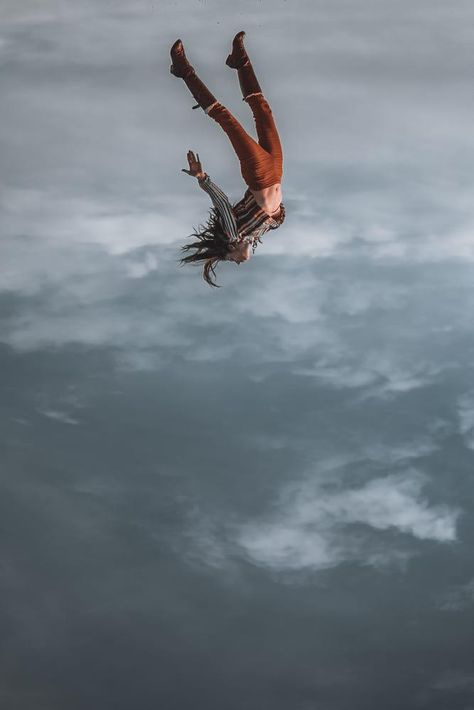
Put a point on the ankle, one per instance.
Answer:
(256, 93)
(209, 108)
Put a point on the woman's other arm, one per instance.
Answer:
(221, 202)
(219, 198)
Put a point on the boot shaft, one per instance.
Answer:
(248, 81)
(239, 59)
(199, 90)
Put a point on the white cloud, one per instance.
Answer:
(59, 416)
(139, 269)
(53, 220)
(386, 372)
(309, 527)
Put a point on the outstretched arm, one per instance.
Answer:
(219, 198)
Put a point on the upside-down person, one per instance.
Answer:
(233, 231)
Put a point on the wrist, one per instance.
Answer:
(201, 176)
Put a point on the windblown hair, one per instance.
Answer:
(212, 247)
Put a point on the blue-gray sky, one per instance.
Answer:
(259, 496)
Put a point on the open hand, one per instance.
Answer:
(195, 168)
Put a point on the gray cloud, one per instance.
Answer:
(457, 598)
(466, 417)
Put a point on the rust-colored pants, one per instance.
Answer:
(261, 164)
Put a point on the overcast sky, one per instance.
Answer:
(257, 497)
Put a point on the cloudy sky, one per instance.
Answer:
(256, 497)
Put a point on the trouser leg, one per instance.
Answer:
(258, 168)
(244, 145)
(199, 90)
(252, 93)
(267, 132)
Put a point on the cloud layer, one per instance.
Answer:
(258, 496)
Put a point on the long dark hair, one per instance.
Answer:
(212, 247)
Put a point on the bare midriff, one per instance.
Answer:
(269, 199)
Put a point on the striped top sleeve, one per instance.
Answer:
(221, 202)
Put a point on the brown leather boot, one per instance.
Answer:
(238, 55)
(182, 68)
(239, 60)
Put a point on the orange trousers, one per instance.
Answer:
(261, 164)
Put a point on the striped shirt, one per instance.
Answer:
(245, 221)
